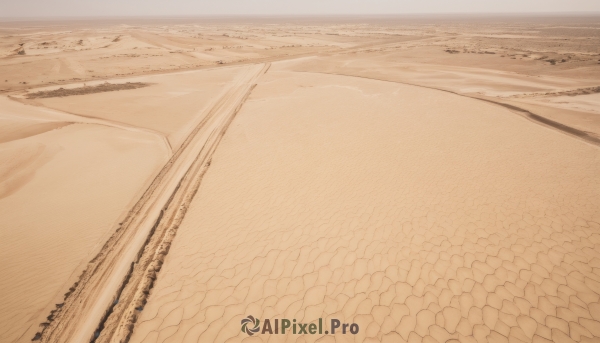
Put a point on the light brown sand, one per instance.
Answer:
(418, 214)
(68, 178)
(516, 89)
(171, 105)
(61, 193)
(428, 178)
(139, 237)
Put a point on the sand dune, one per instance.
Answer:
(172, 104)
(109, 278)
(520, 90)
(61, 192)
(13, 131)
(415, 213)
(429, 179)
(367, 203)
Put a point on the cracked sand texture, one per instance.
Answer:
(418, 214)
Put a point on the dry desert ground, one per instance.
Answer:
(429, 179)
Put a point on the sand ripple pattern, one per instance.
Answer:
(419, 215)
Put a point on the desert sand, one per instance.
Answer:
(429, 179)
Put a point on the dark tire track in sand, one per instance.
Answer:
(101, 305)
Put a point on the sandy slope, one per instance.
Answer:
(497, 84)
(162, 204)
(171, 105)
(61, 192)
(100, 163)
(415, 213)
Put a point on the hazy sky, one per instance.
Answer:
(45, 8)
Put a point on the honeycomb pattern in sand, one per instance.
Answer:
(420, 215)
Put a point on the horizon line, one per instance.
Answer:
(307, 15)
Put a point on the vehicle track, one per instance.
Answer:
(102, 305)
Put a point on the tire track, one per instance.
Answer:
(101, 305)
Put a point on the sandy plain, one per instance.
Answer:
(430, 179)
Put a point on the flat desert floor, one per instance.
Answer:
(429, 179)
